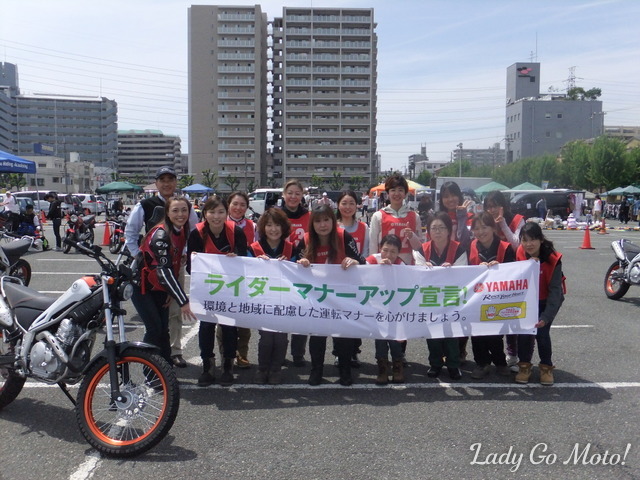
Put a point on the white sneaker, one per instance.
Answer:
(512, 360)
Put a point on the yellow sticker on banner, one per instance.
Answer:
(503, 311)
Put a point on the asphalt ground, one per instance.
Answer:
(583, 427)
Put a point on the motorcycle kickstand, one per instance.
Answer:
(65, 390)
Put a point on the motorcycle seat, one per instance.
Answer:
(17, 248)
(26, 302)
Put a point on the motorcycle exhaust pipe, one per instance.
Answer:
(51, 339)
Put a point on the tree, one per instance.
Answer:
(424, 178)
(17, 180)
(316, 181)
(575, 93)
(607, 163)
(356, 182)
(210, 179)
(272, 183)
(574, 166)
(185, 181)
(232, 182)
(592, 93)
(251, 186)
(335, 183)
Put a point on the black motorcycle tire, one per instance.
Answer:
(66, 248)
(151, 399)
(614, 289)
(114, 243)
(22, 270)
(10, 383)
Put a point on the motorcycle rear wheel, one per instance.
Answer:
(615, 288)
(22, 270)
(10, 383)
(114, 243)
(151, 398)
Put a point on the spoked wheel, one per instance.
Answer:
(150, 398)
(114, 243)
(22, 270)
(10, 383)
(614, 285)
(66, 248)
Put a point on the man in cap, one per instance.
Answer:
(148, 212)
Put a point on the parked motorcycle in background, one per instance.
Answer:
(129, 395)
(10, 262)
(80, 229)
(116, 240)
(625, 271)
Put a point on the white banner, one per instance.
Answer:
(365, 301)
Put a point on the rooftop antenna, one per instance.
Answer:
(533, 57)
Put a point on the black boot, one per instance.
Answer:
(345, 375)
(208, 375)
(315, 378)
(226, 379)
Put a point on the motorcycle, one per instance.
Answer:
(625, 271)
(116, 240)
(10, 262)
(129, 394)
(80, 229)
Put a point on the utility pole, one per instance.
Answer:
(460, 166)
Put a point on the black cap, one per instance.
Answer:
(165, 171)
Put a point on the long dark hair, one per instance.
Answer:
(452, 188)
(311, 248)
(497, 198)
(348, 193)
(210, 204)
(532, 230)
(166, 222)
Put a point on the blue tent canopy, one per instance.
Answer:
(12, 164)
(197, 188)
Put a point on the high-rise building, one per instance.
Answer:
(538, 124)
(324, 94)
(83, 125)
(228, 93)
(142, 152)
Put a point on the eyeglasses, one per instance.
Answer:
(438, 229)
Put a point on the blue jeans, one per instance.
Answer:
(384, 346)
(155, 317)
(526, 344)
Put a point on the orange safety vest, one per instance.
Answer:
(452, 248)
(287, 249)
(546, 271)
(148, 273)
(474, 256)
(210, 247)
(322, 252)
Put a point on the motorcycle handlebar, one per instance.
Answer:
(94, 251)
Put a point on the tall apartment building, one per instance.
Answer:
(65, 123)
(228, 92)
(324, 93)
(142, 152)
(538, 124)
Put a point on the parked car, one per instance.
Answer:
(71, 204)
(558, 202)
(90, 203)
(263, 198)
(22, 201)
(102, 204)
(38, 199)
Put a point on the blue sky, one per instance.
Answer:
(441, 64)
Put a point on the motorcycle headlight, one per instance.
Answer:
(125, 291)
(73, 218)
(618, 249)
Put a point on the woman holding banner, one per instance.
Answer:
(487, 249)
(298, 215)
(217, 235)
(273, 230)
(326, 243)
(443, 252)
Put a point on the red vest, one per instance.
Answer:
(287, 249)
(546, 271)
(148, 273)
(373, 260)
(322, 252)
(454, 220)
(210, 247)
(513, 226)
(299, 226)
(359, 236)
(474, 256)
(391, 225)
(249, 229)
(452, 248)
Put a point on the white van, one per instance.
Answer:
(263, 198)
(39, 203)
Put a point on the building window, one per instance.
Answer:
(547, 134)
(558, 134)
(559, 115)
(547, 115)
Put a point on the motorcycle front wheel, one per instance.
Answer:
(22, 270)
(114, 243)
(10, 383)
(614, 285)
(150, 398)
(66, 248)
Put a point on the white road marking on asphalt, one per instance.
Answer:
(88, 467)
(572, 326)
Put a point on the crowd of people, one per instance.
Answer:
(386, 234)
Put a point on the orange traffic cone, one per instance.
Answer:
(106, 238)
(43, 217)
(603, 228)
(586, 241)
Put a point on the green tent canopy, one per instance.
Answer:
(114, 187)
(526, 186)
(490, 187)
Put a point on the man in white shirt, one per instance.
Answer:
(13, 210)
